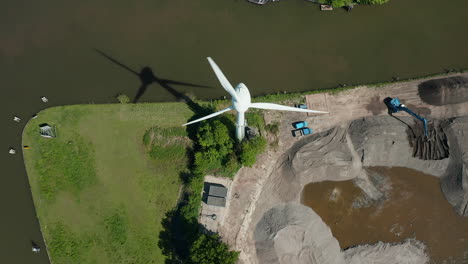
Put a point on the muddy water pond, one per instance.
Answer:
(413, 207)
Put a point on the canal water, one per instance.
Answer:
(50, 48)
(414, 207)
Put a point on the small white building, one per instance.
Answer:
(47, 131)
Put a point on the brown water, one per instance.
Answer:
(48, 48)
(415, 208)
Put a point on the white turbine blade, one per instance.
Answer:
(208, 116)
(283, 107)
(222, 79)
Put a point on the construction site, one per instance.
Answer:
(369, 132)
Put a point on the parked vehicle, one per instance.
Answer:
(302, 132)
(300, 124)
(301, 106)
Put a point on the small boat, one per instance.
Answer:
(44, 99)
(35, 247)
(34, 116)
(16, 119)
(326, 7)
(258, 2)
(12, 151)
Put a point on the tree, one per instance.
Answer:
(123, 99)
(209, 249)
(214, 146)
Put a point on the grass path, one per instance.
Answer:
(95, 187)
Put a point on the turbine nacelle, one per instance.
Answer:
(244, 99)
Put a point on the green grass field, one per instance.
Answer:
(102, 187)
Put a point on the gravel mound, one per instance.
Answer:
(452, 90)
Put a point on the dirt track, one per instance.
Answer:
(256, 197)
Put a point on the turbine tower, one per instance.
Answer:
(241, 102)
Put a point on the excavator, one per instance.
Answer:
(432, 145)
(394, 105)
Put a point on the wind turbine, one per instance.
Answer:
(241, 102)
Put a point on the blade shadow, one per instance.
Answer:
(147, 77)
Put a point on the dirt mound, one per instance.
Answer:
(444, 91)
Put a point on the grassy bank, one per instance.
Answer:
(99, 192)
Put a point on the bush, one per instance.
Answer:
(231, 166)
(273, 128)
(208, 249)
(255, 119)
(123, 98)
(166, 143)
(250, 150)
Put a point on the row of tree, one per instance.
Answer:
(341, 3)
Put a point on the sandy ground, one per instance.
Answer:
(243, 213)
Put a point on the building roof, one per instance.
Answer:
(219, 191)
(216, 201)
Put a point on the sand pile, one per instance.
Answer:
(411, 251)
(293, 233)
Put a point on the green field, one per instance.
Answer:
(101, 188)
